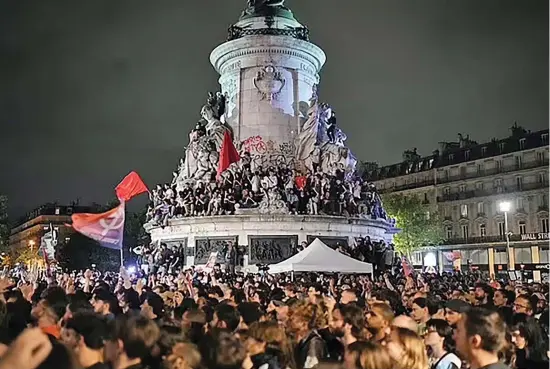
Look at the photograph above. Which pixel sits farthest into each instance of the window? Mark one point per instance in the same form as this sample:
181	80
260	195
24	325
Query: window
540	157
501	146
428	215
467	155
446	190
544	200
520	203
479	186
544	225
462	188
464	210
57	211
542	177
544	138
522	227
482	230
519	183
498	182
446	211
480	168
446	174
451	157
449	232
519	162
501	228
480	208
522	143
498	165
483	150
465	232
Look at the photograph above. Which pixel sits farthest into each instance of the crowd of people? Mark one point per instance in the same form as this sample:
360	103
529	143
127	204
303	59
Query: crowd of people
210	319
271	189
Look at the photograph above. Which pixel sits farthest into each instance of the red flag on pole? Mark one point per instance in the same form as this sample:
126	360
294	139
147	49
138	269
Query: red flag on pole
131	186
228	154
106	228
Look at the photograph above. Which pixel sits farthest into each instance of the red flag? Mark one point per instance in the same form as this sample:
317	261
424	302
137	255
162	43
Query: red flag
300	182
106	228
228	154
131	186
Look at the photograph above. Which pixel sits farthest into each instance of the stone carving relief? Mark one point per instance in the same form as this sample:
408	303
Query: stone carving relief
207	245
269	82
202	152
271	249
331	242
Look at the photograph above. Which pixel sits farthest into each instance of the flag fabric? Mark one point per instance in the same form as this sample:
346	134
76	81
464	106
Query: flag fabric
228	154
300	182
132	185
407	268
106	228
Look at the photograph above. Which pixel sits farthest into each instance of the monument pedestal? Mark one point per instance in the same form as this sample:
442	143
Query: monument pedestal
263	238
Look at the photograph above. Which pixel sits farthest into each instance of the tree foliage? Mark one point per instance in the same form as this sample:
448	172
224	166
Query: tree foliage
419	227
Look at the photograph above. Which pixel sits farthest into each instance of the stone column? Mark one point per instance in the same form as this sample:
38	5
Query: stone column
269	82
491	254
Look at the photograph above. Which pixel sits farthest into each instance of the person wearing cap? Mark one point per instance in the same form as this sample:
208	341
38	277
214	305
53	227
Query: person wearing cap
454	310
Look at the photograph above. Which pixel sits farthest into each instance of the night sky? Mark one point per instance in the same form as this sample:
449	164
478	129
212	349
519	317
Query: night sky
90	90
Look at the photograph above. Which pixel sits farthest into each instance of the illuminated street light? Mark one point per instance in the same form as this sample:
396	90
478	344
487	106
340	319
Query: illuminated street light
505	206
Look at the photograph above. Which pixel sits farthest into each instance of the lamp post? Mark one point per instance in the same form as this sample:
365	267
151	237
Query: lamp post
505	208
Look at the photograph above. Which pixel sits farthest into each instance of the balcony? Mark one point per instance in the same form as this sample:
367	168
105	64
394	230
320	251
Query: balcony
496	239
494	191
494	171
480	239
408	186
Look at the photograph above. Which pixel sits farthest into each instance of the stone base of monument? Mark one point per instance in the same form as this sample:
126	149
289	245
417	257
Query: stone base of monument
262	238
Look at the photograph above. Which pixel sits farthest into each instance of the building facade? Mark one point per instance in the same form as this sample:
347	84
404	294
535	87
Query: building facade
467	183
29	229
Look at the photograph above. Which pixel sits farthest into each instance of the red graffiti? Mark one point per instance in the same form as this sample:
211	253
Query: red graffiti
255	145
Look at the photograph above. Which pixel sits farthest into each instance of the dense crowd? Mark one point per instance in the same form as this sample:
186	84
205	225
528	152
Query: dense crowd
273	189
210	319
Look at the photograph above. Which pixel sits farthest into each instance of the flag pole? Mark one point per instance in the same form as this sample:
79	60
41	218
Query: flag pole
121	257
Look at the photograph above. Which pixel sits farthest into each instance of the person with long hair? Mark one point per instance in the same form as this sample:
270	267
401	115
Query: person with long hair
529	341
439	340
305	320
268	343
406	349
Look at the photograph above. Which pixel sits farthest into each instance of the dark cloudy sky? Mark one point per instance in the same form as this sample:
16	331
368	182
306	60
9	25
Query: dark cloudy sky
90	90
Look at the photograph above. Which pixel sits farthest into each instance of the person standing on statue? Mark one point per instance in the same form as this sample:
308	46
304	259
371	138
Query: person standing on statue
331	127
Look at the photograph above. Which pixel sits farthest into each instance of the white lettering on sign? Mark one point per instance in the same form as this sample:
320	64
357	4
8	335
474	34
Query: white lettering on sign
534	236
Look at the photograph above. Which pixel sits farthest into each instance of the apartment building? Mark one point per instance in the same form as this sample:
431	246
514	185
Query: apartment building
469	185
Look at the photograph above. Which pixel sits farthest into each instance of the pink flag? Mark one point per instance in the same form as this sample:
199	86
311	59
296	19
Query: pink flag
106	228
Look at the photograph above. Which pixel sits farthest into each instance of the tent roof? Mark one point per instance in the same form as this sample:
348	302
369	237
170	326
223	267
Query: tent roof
318	257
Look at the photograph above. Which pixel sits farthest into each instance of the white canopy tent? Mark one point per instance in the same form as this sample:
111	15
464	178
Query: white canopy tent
318	257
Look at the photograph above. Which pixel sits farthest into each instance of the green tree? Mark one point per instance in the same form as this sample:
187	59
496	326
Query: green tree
419	227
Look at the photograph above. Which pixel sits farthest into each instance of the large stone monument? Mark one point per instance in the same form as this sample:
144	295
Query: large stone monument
269	73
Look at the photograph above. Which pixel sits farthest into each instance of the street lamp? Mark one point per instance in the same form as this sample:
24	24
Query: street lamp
505	206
